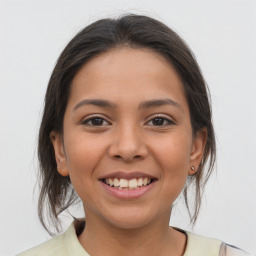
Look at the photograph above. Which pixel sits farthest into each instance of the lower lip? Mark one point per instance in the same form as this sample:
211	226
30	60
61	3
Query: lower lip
128	194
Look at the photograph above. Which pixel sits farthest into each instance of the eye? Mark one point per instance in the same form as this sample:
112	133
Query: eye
95	121
160	121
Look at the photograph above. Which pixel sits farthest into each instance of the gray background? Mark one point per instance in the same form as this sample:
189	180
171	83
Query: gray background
222	35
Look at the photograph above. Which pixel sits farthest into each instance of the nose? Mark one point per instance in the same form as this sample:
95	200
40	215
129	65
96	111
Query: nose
128	144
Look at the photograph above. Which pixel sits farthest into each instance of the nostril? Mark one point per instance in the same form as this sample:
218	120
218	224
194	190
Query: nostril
127	151
127	158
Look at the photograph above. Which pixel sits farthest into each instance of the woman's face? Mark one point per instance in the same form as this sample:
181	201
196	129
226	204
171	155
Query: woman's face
127	124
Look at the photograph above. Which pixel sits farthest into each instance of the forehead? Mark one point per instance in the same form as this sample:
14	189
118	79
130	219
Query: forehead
128	74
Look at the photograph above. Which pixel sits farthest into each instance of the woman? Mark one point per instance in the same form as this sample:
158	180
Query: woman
126	128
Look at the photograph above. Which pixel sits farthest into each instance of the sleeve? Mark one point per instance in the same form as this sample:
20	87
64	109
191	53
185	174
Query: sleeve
230	250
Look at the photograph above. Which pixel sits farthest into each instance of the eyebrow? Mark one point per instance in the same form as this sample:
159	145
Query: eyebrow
159	103
142	105
95	102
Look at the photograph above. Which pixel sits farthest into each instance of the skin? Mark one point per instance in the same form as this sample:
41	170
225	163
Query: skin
129	136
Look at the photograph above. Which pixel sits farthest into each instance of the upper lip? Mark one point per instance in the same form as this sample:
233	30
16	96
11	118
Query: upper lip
127	175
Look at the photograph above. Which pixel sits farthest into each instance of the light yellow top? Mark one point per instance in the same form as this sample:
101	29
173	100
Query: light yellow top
68	244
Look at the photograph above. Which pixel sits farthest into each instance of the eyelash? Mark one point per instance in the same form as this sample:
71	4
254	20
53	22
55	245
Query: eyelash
164	121
91	119
167	121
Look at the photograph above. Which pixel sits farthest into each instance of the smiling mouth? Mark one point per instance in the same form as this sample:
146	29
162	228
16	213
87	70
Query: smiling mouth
125	184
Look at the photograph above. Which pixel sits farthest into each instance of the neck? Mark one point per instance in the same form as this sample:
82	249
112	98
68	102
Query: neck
157	238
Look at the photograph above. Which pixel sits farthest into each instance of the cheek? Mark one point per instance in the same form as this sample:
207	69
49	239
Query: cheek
173	152
173	156
83	151
83	156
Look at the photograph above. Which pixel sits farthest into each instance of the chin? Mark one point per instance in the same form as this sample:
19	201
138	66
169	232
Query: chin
130	219
128	224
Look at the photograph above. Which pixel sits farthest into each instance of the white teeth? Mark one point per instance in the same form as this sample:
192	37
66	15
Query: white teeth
128	184
111	182
116	182
140	182
133	183
123	183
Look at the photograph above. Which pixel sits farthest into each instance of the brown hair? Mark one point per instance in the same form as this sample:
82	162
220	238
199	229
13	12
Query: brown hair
99	37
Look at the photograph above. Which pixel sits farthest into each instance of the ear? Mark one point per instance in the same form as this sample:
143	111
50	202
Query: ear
197	150
60	155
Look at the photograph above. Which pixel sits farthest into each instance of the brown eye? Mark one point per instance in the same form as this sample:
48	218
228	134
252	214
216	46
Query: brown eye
95	121
160	121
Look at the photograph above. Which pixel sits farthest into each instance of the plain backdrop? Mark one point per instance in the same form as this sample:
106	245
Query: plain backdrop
222	35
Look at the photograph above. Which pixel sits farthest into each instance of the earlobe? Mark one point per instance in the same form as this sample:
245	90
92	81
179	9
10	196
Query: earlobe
60	156
197	150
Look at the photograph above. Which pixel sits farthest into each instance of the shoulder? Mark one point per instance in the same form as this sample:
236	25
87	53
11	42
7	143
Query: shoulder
200	246
230	250
62	245
54	246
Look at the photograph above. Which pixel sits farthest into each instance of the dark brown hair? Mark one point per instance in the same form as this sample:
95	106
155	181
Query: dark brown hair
133	31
